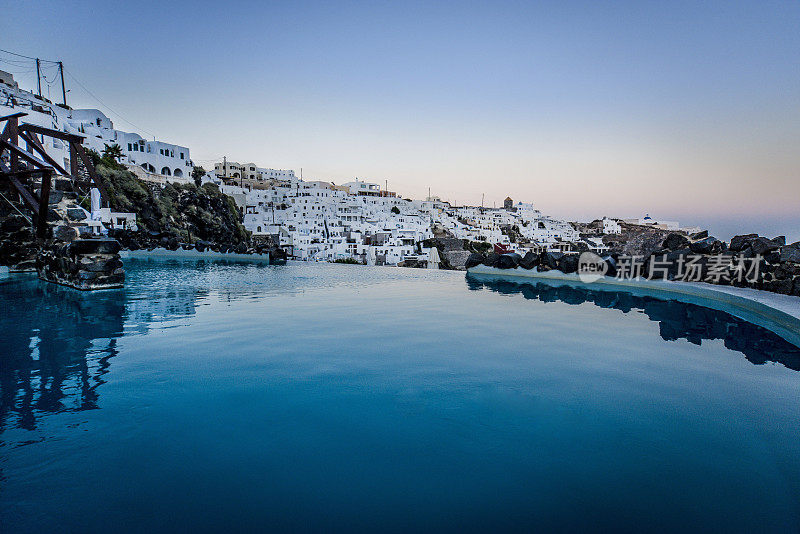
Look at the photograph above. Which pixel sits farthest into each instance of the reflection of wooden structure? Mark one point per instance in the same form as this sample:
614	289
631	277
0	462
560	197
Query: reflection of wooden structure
39	164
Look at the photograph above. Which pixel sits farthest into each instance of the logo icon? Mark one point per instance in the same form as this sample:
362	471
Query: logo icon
591	267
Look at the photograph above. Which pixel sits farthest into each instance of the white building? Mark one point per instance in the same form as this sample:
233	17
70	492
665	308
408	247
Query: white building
610	226
156	157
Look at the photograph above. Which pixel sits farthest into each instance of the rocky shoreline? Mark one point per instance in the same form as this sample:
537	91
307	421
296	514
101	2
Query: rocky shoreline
769	264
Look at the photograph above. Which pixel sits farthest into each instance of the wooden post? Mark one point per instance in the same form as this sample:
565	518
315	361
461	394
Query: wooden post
73	161
13	137
44	204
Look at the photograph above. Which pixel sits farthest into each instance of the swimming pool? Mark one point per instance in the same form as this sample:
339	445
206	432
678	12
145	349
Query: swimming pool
209	396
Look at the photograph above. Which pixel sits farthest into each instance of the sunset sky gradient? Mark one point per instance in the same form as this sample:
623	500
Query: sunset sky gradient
685	110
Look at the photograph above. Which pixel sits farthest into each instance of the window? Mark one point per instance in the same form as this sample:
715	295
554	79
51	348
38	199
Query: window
130	148
181	155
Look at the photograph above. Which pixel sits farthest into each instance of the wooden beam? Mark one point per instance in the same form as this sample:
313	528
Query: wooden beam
51	133
33	142
92	173
26	195
12	116
18	152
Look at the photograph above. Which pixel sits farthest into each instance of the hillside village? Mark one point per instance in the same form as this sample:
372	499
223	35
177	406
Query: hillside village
314	220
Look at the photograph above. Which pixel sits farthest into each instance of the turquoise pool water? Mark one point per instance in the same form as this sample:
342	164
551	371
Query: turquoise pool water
231	396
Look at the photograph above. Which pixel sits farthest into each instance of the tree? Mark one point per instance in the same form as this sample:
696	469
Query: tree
197	174
395	210
113	152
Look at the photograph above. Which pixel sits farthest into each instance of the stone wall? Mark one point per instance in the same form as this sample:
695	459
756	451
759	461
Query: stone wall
747	261
82	263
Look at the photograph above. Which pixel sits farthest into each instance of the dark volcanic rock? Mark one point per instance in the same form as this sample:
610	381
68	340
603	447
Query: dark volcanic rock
611	265
491	259
784	287
675	241
474	260
707	245
530	260
76	214
790	253
700	235
762	245
740	242
568	263
14	222
508	261
550	259
95	246
65	233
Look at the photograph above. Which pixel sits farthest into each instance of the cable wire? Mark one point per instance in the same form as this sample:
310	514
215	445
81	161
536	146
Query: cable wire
106	105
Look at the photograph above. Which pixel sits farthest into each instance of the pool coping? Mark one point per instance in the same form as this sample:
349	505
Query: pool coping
162	253
776	312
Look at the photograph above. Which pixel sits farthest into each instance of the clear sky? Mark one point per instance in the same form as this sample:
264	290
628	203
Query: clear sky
685	110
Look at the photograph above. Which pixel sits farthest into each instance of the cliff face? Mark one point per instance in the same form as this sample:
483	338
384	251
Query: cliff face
176	213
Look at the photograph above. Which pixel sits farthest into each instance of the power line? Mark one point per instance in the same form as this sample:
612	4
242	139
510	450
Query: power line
27	57
106	105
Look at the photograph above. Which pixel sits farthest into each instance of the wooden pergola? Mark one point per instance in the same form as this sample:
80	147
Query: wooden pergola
38	163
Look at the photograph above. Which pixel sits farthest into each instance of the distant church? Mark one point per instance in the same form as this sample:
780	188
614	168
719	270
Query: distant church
508	203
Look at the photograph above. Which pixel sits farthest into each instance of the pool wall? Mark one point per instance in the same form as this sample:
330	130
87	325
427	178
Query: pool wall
778	313
192	254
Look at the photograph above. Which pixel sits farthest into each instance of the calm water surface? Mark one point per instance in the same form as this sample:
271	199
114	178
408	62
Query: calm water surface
212	396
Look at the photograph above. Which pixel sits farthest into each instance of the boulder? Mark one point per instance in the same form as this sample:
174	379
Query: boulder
55	197
474	260
706	245
790	253
76	214
675	241
508	261
491	259
782	272
762	245
550	259
568	263
780	240
65	233
95	246
611	265
740	242
530	260
700	235
784	287
14	222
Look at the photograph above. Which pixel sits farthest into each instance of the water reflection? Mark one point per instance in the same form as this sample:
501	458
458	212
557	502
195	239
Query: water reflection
677	320
57	344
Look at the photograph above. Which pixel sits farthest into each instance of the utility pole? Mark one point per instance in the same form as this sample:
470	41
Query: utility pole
482	195
224	167
38	78
63	89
